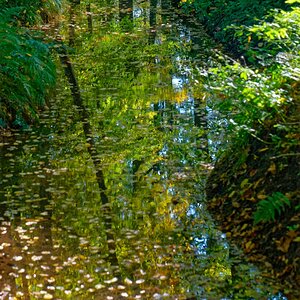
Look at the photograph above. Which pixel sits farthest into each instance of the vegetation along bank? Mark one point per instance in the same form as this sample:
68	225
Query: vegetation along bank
253	190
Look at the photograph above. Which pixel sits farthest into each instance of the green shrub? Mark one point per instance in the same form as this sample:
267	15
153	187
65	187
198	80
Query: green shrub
252	96
273	42
217	15
26	72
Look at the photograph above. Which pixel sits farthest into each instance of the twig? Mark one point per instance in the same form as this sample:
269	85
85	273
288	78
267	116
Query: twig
261	140
285	155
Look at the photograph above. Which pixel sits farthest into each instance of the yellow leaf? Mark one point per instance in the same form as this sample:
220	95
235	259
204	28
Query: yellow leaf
228	234
284	243
261	196
249	246
258	182
231	194
272	168
263	149
244	182
244	227
235	204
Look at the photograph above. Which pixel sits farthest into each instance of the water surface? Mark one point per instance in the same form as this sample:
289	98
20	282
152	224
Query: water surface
144	233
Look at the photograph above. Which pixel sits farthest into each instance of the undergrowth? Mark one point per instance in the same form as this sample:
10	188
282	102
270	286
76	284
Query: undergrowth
27	71
257	97
218	15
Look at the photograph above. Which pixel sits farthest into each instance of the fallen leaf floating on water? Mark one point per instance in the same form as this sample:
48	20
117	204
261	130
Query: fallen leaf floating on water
127	281
115	279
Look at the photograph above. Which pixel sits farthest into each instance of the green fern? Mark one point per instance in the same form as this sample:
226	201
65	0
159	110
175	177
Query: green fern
266	209
27	71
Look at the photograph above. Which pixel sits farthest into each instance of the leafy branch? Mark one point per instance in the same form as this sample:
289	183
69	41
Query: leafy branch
27	71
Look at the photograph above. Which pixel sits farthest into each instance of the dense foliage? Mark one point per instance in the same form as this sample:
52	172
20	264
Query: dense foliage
258	99
263	83
217	15
258	94
26	67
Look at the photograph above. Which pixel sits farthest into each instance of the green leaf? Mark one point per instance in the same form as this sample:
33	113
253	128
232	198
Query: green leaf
292	1
244	75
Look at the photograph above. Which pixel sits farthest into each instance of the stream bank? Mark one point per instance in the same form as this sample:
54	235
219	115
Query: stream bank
253	191
242	178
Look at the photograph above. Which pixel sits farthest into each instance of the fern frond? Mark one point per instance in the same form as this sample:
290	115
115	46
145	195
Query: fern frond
26	71
267	209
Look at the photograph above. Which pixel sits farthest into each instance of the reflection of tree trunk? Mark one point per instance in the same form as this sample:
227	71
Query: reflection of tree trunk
110	236
200	121
71	26
126	9
175	3
108	13
152	21
235	277
158	116
165	4
168	114
153	7
69	72
89	18
135	167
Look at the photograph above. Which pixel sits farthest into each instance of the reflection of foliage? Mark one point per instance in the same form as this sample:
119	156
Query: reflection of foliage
117	55
267	208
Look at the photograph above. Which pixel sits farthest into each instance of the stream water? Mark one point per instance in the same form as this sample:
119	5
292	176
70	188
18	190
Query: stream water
143	233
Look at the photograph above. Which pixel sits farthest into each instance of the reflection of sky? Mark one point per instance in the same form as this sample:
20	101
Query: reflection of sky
185	35
217	131
184	122
200	244
137	12
177	83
